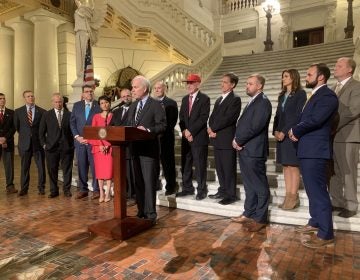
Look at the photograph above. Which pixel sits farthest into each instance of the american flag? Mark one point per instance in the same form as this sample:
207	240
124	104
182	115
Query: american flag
89	69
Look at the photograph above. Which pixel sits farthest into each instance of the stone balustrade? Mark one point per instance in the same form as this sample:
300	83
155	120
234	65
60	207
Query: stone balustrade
232	6
175	74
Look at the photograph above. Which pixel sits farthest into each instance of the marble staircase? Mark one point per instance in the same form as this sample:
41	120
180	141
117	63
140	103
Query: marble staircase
270	65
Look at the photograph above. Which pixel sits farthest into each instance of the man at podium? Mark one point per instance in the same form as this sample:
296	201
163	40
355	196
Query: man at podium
146	114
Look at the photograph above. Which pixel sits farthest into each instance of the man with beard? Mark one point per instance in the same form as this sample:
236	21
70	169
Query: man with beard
119	119
313	134
252	143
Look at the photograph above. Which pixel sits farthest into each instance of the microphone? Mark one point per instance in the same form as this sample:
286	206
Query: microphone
112	109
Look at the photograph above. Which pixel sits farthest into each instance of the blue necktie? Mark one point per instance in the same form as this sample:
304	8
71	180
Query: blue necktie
87	110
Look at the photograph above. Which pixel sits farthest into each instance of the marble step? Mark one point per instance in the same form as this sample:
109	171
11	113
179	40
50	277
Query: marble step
298	216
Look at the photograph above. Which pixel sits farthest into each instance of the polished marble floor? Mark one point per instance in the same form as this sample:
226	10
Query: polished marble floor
43	238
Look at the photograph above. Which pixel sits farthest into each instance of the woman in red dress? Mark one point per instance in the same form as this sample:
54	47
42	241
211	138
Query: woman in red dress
102	151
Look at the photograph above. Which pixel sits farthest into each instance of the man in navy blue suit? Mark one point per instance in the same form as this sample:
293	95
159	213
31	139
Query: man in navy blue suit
252	143
314	151
81	115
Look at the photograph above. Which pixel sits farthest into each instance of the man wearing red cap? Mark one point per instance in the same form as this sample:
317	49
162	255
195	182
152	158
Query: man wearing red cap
194	113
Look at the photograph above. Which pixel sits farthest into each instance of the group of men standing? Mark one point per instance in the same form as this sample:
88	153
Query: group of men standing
329	121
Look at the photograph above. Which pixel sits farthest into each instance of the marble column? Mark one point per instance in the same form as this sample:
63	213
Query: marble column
23	70
6	65
46	63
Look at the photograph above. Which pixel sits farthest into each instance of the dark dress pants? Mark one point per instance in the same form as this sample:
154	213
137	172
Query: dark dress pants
146	172
196	155
167	157
314	175
54	160
8	162
85	160
26	157
225	163
257	194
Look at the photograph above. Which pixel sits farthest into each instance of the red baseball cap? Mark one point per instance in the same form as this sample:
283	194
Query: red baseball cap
193	78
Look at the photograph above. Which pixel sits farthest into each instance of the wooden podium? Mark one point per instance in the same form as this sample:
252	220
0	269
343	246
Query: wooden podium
121	226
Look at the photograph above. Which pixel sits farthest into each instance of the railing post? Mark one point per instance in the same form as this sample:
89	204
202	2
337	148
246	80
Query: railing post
349	29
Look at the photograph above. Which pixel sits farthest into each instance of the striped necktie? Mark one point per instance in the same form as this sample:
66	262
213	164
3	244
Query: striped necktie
30	116
137	119
1	115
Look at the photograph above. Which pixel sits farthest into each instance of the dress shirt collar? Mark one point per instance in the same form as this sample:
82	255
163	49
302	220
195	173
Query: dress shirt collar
194	96
144	99
316	89
343	82
224	95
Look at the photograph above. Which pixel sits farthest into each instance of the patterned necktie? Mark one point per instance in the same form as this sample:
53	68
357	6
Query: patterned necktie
190	103
124	112
137	119
338	88
59	117
87	110
1	115
29	115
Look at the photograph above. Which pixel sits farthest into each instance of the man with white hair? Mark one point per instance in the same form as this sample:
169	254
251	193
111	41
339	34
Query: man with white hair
146	114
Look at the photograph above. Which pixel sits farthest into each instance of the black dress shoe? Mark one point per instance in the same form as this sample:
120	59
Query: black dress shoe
67	194
183	193
52	195
169	192
227	201
216	196
140	215
41	192
22	193
200	196
335	208
347	213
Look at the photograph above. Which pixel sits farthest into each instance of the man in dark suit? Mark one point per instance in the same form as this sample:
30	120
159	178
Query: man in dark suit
343	184
314	151
252	143
167	139
7	131
81	115
119	119
120	114
58	143
146	114
27	120
193	116
221	130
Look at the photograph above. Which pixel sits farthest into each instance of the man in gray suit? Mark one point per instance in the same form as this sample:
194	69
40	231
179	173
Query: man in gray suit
27	120
343	184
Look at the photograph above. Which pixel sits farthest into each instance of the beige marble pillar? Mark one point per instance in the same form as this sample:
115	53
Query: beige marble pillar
6	65
23	70
46	63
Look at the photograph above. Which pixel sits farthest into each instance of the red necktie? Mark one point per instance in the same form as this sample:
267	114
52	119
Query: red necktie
1	115
190	103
